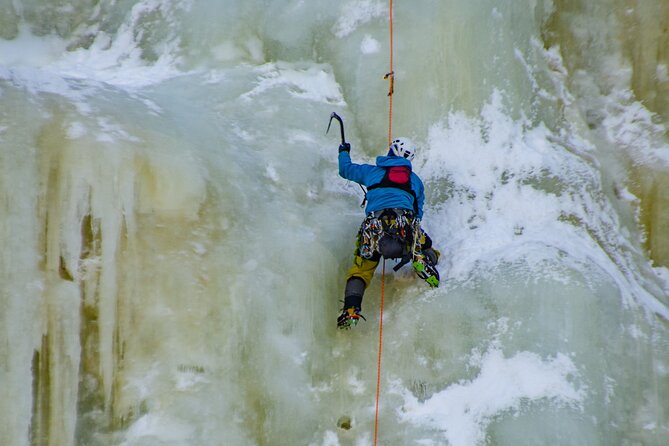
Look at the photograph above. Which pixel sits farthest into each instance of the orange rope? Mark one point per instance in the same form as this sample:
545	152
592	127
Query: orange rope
391	89
391	77
378	367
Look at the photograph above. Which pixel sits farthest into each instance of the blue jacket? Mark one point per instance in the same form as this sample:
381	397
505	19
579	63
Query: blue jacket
383	197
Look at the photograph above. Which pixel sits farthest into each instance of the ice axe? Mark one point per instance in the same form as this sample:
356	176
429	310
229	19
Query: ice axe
341	126
343	141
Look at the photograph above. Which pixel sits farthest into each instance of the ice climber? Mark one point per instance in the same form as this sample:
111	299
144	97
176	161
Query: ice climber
391	229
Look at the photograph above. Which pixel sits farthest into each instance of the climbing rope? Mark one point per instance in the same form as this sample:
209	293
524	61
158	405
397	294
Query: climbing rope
390	75
378	365
391	89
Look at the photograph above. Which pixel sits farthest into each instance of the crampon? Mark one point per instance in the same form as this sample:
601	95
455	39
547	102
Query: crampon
349	318
426	271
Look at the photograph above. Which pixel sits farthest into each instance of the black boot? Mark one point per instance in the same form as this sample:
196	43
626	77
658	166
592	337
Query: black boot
355	289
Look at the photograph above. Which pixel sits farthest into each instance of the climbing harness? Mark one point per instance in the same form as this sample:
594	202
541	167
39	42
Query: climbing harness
387	233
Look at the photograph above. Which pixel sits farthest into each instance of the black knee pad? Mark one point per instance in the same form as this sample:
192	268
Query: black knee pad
355	286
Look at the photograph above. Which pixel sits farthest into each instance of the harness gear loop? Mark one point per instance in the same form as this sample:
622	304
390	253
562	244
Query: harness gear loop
388	233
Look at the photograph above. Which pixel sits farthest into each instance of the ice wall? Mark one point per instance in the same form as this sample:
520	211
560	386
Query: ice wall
617	52
175	236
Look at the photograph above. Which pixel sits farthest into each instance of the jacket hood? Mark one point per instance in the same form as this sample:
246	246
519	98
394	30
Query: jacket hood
389	161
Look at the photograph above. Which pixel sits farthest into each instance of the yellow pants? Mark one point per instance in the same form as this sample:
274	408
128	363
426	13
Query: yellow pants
363	268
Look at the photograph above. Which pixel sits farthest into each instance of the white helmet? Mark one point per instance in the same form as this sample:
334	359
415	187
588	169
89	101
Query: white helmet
403	147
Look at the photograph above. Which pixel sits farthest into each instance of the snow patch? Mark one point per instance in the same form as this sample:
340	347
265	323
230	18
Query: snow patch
463	410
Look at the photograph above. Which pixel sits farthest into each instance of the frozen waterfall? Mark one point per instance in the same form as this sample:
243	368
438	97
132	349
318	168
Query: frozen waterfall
175	235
